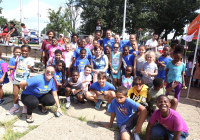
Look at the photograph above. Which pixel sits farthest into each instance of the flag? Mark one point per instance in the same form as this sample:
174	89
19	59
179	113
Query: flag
188	38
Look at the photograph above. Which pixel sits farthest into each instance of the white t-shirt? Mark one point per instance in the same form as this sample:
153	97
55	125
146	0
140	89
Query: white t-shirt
152	43
67	58
82	78
74	46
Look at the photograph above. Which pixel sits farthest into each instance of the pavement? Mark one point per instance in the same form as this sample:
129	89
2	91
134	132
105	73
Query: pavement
82	121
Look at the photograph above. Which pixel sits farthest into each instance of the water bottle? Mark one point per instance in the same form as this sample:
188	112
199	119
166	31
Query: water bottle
135	135
58	114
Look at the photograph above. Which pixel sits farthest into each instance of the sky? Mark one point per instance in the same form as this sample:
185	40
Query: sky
11	10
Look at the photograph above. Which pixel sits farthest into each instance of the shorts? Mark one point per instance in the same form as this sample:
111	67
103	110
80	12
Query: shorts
129	124
138	73
195	80
3	34
79	93
13	34
101	97
160	131
25	37
116	76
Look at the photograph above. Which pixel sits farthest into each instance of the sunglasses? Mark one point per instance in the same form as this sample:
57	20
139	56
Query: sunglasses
138	84
115	47
50	72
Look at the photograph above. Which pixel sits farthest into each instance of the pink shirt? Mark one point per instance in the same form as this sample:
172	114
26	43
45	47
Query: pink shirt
67	58
52	50
89	46
173	122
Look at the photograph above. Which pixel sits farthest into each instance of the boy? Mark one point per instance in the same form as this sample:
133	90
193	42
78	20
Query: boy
81	61
101	90
25	32
157	90
73	85
99	27
171	125
85	77
122	107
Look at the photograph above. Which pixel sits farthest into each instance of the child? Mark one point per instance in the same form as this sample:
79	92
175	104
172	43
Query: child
189	68
25	32
128	59
95	42
138	92
139	61
134	49
162	62
99	27
52	60
157	90
160	46
90	42
108	50
81	62
67	55
170	123
197	73
74	86
60	76
3	77
66	41
149	69
127	79
54	46
123	107
16	53
175	71
101	90
23	66
115	65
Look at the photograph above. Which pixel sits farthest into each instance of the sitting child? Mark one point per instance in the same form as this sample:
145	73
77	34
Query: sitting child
171	125
138	92
157	90
101	90
73	85
122	107
52	60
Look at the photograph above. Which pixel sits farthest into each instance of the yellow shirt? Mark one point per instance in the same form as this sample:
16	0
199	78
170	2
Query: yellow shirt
139	97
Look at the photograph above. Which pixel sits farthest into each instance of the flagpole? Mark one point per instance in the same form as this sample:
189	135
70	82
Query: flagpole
193	63
124	20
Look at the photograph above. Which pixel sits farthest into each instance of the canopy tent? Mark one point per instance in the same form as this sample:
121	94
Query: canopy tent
194	28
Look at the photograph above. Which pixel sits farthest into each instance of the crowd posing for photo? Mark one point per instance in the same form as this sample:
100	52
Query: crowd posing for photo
132	79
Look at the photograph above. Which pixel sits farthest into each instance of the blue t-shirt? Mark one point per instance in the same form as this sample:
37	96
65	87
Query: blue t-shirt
81	63
58	76
12	61
131	52
77	53
128	60
99	64
107	41
123	112
121	45
130	47
6	80
161	70
175	72
96	86
38	86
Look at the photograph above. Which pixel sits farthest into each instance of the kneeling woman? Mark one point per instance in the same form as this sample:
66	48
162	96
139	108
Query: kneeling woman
40	89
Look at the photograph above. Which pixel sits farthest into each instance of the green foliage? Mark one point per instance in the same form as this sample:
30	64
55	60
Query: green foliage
3	21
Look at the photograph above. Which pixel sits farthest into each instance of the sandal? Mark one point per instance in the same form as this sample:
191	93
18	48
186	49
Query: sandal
29	120
44	111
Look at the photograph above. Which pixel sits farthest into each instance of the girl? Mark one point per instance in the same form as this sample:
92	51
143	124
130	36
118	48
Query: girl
197	73
66	40
58	56
115	65
90	42
23	66
95	42
127	79
16	53
5	31
160	46
3	77
175	71
189	68
139	61
13	31
68	55
162	62
149	68
60	76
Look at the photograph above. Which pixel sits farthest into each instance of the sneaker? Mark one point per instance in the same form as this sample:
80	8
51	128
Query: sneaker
98	104
108	106
75	100
68	105
2	101
24	111
12	111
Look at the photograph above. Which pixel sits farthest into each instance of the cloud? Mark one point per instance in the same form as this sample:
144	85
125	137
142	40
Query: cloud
30	12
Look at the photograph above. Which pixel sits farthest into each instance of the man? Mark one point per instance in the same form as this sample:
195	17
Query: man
109	40
152	44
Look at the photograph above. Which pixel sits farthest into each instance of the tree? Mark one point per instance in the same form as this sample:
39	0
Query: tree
59	20
2	21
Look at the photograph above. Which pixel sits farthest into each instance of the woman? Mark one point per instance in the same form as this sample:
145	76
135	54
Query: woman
40	89
13	32
5	31
100	62
50	34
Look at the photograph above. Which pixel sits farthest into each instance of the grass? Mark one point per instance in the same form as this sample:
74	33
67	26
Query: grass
7	94
82	118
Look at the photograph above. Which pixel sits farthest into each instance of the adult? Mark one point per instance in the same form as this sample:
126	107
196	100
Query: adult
109	40
13	32
74	41
5	31
100	62
44	56
90	42
60	41
152	43
122	43
40	89
98	37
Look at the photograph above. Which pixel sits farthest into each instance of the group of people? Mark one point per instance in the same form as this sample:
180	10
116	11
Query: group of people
129	77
